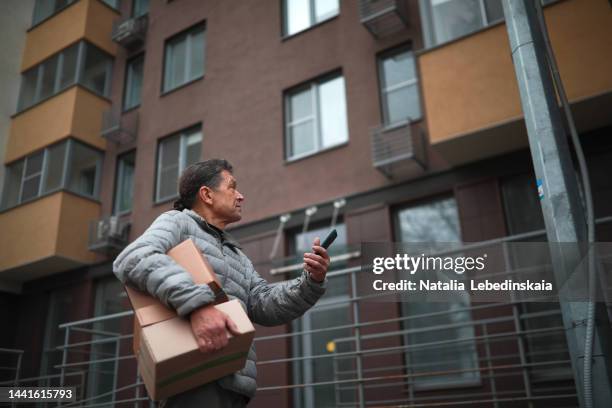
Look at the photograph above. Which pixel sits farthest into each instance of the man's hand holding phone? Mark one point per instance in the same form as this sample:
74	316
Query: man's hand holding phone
316	262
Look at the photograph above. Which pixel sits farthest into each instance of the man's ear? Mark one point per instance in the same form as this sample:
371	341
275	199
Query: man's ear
205	194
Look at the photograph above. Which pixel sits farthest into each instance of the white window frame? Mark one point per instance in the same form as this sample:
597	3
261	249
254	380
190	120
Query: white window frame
182	159
313	88
187	37
40	174
312	17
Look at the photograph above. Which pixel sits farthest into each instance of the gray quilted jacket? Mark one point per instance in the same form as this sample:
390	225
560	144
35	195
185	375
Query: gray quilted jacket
144	265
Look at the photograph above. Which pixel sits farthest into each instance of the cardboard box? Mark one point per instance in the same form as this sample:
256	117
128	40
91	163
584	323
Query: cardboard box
169	360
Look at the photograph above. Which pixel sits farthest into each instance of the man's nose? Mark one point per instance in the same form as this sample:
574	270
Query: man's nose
240	196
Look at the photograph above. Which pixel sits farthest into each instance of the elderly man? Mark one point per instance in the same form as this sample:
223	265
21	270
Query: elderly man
209	201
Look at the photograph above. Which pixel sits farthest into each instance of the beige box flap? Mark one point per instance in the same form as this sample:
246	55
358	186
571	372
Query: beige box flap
148	309
189	257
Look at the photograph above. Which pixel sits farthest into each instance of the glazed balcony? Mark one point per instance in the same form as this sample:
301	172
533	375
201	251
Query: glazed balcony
469	85
74	112
91	20
46	236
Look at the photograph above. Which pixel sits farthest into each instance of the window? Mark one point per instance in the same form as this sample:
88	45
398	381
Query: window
133	83
437	222
174	154
49	74
332	310
184	58
12	184
83	168
110	298
69	66
524	214
60	71
521	204
62	308
30	186
399	87
140	8
46	8
446	20
316	117
112	3
48	78
124	188
97	69
302	14
68	165
54	176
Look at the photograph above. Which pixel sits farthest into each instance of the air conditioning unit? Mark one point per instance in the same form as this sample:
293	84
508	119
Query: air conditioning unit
108	235
109	228
124	30
383	18
130	32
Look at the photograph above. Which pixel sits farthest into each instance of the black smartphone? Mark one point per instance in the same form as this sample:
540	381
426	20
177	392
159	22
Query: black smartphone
331	237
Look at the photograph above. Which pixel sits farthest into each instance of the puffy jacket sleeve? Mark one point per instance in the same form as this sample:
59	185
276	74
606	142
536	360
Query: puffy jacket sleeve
281	302
144	265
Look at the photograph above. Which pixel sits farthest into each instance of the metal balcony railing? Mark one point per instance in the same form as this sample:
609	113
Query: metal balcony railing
119	128
397	150
504	367
384	17
10	367
130	32
108	234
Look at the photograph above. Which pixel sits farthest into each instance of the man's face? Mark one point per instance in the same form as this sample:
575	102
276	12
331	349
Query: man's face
227	200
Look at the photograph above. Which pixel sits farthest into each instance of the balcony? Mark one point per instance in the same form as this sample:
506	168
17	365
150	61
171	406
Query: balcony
471	97
85	19
119	128
75	112
130	32
384	17
108	235
45	236
398	151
